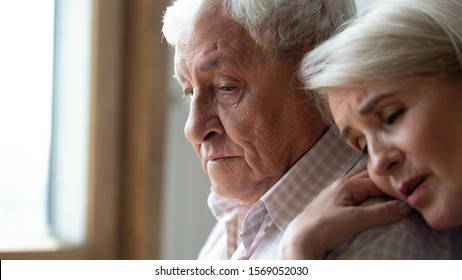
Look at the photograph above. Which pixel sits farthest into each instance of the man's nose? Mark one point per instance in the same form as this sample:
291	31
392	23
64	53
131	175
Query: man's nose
203	121
383	157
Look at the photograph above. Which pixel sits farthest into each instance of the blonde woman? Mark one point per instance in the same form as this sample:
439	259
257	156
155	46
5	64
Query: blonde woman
392	81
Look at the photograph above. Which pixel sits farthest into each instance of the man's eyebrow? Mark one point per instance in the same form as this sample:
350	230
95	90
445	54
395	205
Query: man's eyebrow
372	103
210	65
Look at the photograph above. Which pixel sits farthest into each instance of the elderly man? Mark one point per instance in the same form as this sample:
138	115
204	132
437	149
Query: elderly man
261	140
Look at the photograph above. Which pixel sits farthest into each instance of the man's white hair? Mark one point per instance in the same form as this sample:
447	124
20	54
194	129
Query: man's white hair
284	28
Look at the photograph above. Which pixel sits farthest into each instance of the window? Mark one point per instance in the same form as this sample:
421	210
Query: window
69	153
103	152
25	120
44	118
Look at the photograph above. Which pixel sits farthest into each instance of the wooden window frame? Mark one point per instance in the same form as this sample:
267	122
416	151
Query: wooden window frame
126	154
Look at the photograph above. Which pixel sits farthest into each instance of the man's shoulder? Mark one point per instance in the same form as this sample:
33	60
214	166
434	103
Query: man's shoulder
410	238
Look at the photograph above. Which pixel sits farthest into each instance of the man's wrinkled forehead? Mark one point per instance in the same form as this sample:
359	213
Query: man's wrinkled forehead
201	57
209	50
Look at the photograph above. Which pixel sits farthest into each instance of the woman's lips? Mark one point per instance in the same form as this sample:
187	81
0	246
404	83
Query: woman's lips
411	185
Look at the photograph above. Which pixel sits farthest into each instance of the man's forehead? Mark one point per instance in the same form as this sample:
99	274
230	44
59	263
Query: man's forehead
195	49
203	58
214	32
221	45
211	55
202	61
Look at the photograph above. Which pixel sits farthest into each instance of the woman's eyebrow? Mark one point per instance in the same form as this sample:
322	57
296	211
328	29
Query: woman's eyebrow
372	103
365	109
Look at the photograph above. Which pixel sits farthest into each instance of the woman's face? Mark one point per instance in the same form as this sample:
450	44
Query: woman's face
412	134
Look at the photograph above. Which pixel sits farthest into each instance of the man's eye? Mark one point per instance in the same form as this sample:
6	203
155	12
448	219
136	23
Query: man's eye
227	88
391	119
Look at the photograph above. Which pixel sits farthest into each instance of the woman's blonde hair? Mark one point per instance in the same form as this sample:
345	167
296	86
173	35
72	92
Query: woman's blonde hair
394	40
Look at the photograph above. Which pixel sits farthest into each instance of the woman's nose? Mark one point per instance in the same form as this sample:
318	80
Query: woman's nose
383	158
203	121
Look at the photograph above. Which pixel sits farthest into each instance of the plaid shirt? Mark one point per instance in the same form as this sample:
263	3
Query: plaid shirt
255	233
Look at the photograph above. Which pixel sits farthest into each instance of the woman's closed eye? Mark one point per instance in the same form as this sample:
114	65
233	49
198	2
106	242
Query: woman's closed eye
394	116
364	150
362	145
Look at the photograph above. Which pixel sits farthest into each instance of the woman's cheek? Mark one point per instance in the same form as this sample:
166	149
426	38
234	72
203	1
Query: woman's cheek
384	184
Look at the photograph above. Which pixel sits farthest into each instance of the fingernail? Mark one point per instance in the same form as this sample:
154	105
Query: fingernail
404	208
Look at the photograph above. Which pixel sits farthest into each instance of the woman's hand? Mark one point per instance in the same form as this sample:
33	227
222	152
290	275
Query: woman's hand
339	213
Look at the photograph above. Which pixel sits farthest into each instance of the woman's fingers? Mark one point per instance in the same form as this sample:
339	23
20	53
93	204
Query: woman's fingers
361	189
359	172
340	212
351	191
379	212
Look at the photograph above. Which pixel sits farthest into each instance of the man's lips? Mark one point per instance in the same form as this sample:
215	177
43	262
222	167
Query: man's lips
218	158
411	185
